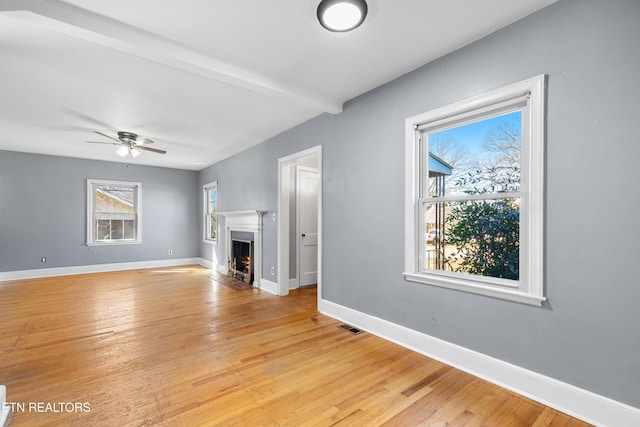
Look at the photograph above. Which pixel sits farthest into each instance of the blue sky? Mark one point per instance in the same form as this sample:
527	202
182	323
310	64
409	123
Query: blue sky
471	139
213	198
473	135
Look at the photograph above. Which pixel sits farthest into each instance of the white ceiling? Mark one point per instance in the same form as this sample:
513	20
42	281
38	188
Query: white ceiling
206	79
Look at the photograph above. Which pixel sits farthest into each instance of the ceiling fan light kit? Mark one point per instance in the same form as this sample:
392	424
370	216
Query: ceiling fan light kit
122	151
342	15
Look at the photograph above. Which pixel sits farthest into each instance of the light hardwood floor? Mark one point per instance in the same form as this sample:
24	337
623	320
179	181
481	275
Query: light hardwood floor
173	347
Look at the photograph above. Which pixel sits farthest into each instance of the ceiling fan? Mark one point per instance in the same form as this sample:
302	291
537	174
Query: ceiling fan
130	143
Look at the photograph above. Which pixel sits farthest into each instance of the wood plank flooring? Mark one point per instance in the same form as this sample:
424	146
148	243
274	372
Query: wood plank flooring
171	347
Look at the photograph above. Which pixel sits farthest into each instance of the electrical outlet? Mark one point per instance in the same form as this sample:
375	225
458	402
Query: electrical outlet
43	259
273	271
170	251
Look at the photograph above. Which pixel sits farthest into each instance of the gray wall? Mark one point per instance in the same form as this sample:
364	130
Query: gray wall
586	334
249	181
43	212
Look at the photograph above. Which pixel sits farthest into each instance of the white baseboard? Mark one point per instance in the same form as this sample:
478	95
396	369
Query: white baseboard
205	263
579	403
97	268
269	286
294	284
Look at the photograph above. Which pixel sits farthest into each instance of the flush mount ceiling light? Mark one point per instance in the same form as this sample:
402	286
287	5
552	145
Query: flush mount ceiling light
341	15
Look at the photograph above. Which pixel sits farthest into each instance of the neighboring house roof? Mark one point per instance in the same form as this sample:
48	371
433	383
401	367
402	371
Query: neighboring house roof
114	200
437	166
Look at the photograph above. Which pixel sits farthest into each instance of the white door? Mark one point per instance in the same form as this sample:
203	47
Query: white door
307	190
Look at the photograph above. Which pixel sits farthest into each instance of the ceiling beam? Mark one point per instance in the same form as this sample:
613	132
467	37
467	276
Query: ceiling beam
86	25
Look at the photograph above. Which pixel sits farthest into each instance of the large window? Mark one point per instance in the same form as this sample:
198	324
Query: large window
113	212
474	214
211	212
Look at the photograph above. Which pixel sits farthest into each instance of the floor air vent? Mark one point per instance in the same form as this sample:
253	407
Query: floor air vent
351	329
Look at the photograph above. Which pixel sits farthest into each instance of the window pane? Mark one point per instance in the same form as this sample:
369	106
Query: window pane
129	229
214	226
103	229
475	158
115	199
473	237
116	229
210	218
213	199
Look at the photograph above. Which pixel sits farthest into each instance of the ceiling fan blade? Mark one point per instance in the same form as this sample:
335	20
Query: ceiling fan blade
107	136
155	150
144	141
102	142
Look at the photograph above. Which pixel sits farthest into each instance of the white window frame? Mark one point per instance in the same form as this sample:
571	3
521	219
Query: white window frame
529	289
206	225
91	200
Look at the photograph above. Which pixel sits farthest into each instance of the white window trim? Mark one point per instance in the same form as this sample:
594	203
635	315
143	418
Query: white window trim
90	214
530	288
205	211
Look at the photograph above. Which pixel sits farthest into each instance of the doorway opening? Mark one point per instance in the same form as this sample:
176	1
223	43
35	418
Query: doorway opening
300	220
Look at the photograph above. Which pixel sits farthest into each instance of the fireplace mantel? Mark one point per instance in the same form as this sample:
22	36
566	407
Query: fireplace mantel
245	219
248	221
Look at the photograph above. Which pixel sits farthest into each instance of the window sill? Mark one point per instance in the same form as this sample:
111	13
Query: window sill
114	243
479	288
211	242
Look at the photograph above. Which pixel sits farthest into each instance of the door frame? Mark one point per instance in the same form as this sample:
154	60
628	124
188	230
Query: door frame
284	191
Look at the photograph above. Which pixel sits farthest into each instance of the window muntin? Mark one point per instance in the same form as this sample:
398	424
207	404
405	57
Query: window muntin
474	209
113	212
211	212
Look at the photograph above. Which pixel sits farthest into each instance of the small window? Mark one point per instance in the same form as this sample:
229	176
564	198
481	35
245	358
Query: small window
211	212
474	194
113	212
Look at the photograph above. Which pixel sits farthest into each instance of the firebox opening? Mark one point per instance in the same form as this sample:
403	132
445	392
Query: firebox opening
240	263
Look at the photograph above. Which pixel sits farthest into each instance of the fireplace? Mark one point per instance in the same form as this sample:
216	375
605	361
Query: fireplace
240	261
241	227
